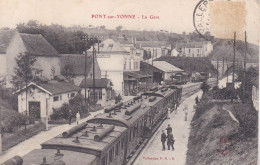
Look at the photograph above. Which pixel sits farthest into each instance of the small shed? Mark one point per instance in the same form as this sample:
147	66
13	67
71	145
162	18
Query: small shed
39	100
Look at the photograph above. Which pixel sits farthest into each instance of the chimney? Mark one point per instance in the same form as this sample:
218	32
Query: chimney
76	140
58	153
44	162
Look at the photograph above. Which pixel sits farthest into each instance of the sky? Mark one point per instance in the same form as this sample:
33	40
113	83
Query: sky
174	15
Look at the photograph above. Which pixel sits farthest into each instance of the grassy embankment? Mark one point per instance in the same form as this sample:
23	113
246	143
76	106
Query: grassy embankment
217	139
13	131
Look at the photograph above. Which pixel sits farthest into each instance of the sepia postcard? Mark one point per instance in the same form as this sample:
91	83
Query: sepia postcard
120	82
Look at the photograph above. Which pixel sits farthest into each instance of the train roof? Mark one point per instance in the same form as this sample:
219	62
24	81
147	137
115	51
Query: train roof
68	157
86	140
126	115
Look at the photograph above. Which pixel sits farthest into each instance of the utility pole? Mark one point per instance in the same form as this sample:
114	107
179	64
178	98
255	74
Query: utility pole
223	65
244	76
85	38
98	44
233	74
94	53
217	72
152	55
0	130
227	68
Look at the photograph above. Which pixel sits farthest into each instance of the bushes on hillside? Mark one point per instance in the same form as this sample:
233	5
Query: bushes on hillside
9	97
11	120
225	93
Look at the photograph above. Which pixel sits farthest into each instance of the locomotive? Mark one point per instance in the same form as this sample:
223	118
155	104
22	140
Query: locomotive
110	138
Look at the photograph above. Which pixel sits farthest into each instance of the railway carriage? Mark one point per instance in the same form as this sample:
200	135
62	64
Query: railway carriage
112	137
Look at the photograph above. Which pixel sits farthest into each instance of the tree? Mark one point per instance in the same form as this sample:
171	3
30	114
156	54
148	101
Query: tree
118	29
102	27
24	72
204	87
68	71
147	55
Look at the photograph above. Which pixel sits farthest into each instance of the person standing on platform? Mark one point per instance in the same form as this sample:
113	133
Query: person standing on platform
70	116
170	141
163	139
168	113
186	112
169	129
197	100
78	117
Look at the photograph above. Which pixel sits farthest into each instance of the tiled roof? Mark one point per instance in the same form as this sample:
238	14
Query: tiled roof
37	45
78	61
5	38
99	83
137	74
166	67
54	87
59	87
148	68
189	45
140	44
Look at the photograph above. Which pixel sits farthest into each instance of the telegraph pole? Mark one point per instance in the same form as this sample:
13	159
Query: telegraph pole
217	73
244	76
85	71
223	65
94	52
227	68
233	74
0	130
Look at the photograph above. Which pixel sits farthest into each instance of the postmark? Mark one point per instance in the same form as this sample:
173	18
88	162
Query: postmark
201	20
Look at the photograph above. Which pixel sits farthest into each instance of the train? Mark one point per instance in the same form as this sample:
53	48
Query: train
199	76
109	138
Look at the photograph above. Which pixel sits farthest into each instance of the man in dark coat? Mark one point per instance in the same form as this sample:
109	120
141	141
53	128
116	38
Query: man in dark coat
169	129
170	141
197	100
70	116
163	139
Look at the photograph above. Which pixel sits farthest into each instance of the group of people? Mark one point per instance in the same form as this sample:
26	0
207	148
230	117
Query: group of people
169	137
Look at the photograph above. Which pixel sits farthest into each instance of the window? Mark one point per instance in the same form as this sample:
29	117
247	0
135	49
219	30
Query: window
198	50
117	148
130	134
125	66
134	133
100	95
111	155
60	97
56	98
68	95
122	143
72	94
104	160
189	50
130	65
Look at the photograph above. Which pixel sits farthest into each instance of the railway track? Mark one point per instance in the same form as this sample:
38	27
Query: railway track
186	92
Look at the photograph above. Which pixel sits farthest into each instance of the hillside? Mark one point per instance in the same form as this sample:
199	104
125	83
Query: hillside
215	138
224	48
190	64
